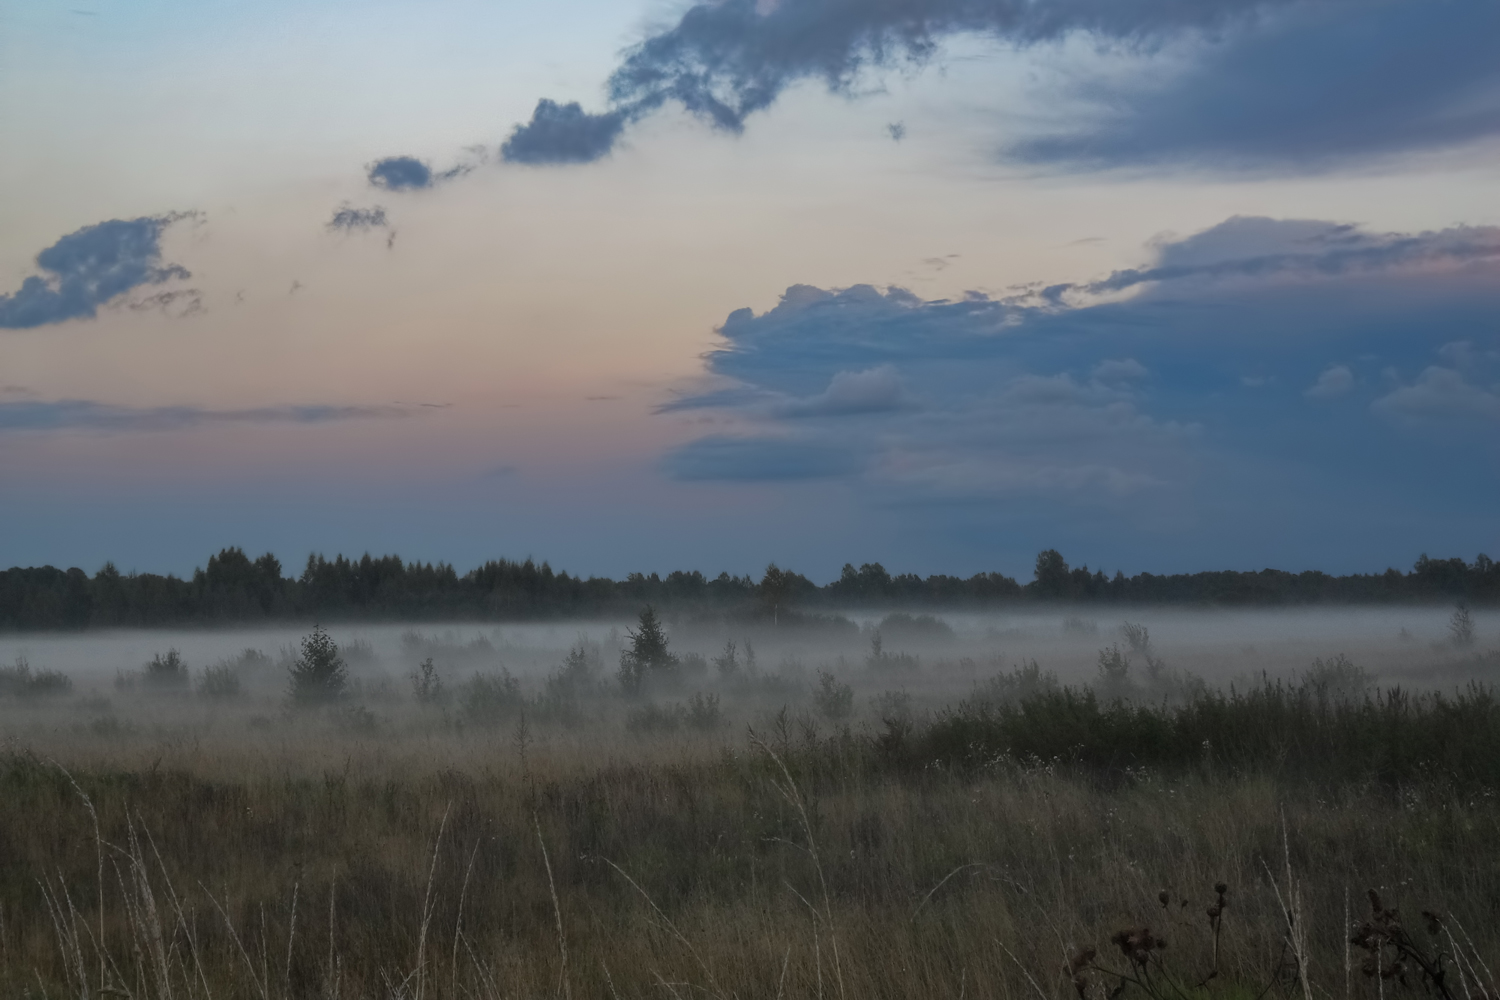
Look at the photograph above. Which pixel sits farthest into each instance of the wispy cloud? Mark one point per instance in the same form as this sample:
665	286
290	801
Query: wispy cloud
1307	87
349	219
87	268
1335	381
81	413
1267	82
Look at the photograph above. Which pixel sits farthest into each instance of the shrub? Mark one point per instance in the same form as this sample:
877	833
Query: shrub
220	683
319	676
167	672
426	685
1337	680
833	699
879	659
360	653
1137	637
648	655
894	709
21	682
656	719
566	686
1026	681
491	700
1073	625
727	663
1461	627
903	627
1114	674
704	713
357	719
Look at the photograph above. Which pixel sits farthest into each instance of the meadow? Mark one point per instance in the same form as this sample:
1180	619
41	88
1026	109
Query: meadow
906	806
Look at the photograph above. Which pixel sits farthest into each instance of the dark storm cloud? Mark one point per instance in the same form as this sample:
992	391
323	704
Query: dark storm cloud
81	413
88	268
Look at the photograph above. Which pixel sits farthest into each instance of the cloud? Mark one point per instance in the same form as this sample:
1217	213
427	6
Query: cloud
1304	87
87	414
1440	394
727	59
758	459
1335	381
876	390
1226	83
87	268
1119	371
563	133
1179	382
400	173
348	219
1260	249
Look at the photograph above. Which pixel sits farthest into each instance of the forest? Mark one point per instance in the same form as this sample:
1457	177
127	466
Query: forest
233	588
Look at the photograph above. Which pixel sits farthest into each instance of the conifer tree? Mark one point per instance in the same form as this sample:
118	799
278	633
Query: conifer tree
319	675
648	655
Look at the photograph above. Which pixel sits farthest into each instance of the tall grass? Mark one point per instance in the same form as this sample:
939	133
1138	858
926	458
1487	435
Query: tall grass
976	854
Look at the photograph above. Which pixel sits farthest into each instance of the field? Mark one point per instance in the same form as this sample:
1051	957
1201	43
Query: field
961	809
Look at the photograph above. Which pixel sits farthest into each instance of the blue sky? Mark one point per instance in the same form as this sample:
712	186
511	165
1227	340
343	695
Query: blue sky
643	286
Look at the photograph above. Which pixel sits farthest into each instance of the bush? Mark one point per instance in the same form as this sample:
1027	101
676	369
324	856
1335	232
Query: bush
1461	627
360	653
727	663
1137	637
879	659
1026	681
426	685
648	655
220	683
894	709
1114	674
656	719
704	713
833	699
489	701
1073	625
901	627
19	681
319	676
167	672
1337	680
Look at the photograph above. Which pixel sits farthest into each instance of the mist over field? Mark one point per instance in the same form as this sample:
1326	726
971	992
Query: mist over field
929	660
750	500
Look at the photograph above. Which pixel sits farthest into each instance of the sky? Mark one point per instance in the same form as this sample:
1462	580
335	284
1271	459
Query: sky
627	285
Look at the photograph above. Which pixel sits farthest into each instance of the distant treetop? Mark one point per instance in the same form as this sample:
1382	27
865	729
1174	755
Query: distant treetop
234	588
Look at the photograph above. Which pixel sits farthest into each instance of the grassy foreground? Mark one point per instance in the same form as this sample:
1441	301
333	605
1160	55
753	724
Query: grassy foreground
794	864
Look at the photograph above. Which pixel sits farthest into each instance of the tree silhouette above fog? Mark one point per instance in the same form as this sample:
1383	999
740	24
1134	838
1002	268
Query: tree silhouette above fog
234	588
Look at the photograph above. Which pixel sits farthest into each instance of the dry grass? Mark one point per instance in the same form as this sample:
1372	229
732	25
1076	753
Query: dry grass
1030	843
722	868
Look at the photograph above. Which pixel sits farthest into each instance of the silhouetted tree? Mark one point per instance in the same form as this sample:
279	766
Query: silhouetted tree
319	675
1051	575
648	655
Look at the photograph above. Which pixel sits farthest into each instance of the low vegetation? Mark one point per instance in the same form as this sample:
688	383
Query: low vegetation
677	825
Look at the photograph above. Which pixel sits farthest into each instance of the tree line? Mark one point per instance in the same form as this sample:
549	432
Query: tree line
235	588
